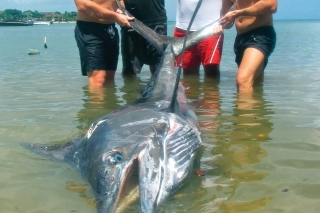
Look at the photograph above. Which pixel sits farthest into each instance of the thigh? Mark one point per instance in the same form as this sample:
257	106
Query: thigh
110	49
99	50
191	60
252	64
210	50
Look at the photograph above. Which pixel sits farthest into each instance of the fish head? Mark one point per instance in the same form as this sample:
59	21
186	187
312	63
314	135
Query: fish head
115	148
146	148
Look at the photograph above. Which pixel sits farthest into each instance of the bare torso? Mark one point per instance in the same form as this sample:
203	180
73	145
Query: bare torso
247	23
107	4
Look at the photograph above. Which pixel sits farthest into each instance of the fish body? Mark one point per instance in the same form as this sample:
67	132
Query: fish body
151	143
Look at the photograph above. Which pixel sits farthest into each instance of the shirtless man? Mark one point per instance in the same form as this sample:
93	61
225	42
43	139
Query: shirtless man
98	39
255	39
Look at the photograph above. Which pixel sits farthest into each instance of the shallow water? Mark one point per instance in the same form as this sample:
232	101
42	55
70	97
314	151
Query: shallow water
260	152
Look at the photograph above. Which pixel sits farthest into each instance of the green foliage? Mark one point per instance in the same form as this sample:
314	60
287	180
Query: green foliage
37	15
13	14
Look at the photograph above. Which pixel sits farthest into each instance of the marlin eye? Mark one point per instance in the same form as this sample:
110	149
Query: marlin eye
115	158
118	157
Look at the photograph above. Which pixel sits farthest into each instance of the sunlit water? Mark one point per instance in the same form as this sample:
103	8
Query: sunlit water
260	153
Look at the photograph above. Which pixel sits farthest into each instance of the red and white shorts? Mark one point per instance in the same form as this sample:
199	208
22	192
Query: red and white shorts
207	51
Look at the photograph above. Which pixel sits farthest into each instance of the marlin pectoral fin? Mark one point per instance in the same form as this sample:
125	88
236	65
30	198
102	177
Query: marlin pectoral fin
150	177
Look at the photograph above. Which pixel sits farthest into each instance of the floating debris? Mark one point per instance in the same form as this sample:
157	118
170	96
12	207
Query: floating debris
200	172
33	52
180	196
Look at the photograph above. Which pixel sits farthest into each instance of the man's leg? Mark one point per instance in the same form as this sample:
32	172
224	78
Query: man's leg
251	67
126	47
100	77
210	50
98	62
212	70
191	71
152	69
191	63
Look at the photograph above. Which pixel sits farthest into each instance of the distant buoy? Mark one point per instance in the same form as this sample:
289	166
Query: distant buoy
45	42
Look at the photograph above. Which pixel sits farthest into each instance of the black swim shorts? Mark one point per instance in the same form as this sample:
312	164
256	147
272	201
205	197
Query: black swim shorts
98	46
134	46
262	38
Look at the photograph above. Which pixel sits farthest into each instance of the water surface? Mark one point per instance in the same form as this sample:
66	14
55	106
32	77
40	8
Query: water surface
260	152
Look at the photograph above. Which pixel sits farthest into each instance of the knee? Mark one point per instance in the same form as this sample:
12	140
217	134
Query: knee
243	82
97	81
100	77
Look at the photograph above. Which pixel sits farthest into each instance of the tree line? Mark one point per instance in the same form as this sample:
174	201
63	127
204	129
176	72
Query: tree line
18	15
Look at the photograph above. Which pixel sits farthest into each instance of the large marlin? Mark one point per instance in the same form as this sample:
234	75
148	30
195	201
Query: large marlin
156	138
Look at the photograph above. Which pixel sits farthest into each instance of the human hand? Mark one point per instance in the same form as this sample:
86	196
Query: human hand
218	30
228	20
119	11
123	20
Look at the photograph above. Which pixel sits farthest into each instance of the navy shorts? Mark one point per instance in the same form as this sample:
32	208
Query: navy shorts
98	46
134	45
262	38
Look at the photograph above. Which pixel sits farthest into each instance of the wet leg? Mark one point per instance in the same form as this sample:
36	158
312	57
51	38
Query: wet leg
251	68
100	77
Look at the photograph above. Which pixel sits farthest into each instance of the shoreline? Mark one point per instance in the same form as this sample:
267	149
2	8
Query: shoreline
64	22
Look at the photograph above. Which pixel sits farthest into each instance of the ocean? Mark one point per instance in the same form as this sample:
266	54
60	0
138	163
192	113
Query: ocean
260	152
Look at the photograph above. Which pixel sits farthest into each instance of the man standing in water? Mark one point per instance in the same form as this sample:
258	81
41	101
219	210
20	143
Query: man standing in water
208	51
255	40
97	38
136	50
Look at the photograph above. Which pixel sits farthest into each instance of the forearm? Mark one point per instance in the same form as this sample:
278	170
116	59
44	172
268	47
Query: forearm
227	11
262	7
226	5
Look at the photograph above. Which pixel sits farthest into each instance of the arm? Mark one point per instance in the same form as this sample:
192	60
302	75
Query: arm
226	7
261	7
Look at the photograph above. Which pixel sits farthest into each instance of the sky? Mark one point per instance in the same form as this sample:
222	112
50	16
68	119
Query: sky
287	9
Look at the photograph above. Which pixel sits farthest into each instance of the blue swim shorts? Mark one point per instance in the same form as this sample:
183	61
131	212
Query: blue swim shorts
98	46
262	38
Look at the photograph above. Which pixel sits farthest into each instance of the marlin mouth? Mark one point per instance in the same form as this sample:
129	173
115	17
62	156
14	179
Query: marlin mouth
129	188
